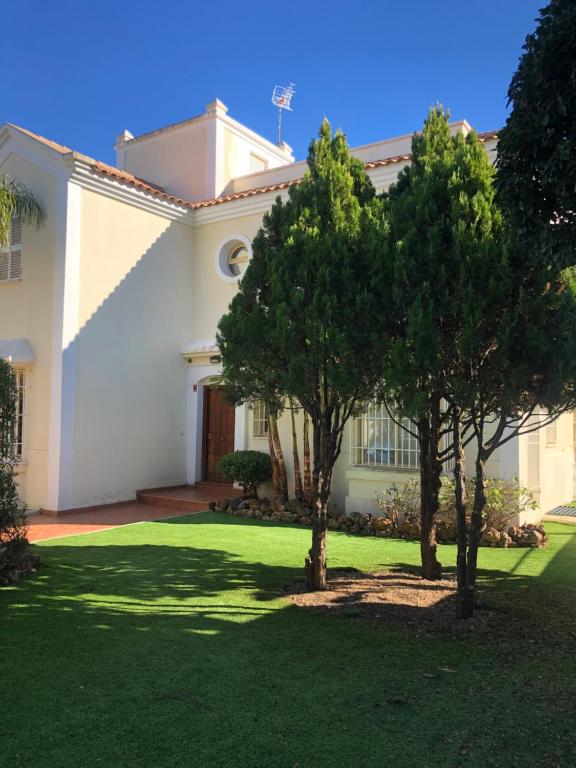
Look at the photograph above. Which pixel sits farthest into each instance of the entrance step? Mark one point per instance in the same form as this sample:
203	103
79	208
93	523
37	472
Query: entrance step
187	498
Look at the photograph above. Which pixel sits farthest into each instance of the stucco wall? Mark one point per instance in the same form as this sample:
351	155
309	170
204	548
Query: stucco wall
26	311
555	483
213	294
182	160
135	299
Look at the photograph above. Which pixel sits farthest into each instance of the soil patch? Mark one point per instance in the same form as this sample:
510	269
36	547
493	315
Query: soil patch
391	597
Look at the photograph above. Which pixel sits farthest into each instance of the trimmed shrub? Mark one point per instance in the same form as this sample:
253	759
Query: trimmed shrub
247	468
13	522
505	500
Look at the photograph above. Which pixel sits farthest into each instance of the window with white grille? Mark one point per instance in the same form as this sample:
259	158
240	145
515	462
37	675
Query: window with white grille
19	425
257	164
11	255
259	419
378	441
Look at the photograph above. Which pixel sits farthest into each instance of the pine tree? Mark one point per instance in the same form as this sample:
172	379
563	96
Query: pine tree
537	146
299	325
486	338
514	369
421	255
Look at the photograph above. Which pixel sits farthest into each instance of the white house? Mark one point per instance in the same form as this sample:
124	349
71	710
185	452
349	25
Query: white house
109	312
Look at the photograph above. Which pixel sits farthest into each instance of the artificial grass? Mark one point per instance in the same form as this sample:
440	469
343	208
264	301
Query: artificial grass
170	644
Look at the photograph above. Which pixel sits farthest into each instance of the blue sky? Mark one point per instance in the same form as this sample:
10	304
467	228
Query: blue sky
81	71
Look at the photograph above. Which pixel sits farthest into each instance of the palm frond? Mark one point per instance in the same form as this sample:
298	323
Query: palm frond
16	201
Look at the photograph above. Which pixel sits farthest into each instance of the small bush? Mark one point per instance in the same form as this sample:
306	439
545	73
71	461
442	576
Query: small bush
401	505
505	500
247	468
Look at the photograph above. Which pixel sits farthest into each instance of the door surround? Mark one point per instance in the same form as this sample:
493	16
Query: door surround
200	374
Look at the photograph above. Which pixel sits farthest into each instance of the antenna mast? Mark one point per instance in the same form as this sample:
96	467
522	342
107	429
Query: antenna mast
281	98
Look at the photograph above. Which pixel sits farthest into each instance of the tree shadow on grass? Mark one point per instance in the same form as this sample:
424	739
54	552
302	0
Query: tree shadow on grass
159	655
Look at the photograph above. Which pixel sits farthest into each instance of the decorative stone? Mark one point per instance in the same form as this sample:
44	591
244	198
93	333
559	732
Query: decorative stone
491	538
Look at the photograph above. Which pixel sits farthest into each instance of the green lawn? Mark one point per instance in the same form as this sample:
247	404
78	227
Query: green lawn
169	644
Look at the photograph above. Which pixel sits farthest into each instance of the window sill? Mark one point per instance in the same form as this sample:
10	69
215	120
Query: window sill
11	281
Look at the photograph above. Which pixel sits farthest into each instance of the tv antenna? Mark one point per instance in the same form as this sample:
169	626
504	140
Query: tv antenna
281	98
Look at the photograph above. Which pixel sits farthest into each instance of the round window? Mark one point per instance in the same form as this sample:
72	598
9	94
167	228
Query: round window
238	260
232	257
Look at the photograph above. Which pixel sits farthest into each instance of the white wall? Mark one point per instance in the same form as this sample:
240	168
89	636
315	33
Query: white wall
135	299
196	159
26	309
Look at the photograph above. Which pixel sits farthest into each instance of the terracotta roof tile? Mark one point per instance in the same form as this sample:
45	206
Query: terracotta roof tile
146	186
47	142
246	193
128	178
487	135
285	184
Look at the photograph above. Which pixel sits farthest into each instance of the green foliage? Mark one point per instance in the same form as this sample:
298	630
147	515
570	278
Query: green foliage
13	524
400	502
8	398
248	468
444	259
302	324
505	501
537	147
16	201
297	327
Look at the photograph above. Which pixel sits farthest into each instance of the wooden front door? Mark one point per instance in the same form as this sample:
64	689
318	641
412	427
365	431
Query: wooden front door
218	432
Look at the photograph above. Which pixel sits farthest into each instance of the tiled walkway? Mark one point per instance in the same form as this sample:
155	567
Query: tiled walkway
156	504
43	527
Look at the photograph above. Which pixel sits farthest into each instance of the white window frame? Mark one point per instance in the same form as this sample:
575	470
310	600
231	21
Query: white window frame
20	426
259	419
377	441
257	163
225	249
11	255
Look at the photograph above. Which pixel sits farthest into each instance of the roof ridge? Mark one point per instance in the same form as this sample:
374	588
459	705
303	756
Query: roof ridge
64	150
158	191
169	127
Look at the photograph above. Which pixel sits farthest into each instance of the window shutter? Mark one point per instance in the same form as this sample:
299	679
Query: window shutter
15	265
16	233
4	266
16	249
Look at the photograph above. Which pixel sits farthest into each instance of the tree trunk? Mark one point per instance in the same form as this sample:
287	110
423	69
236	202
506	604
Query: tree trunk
430	483
298	489
315	563
273	459
282	477
460	499
307	473
476	525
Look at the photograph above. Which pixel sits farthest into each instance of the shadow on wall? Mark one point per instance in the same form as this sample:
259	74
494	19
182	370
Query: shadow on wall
126	403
